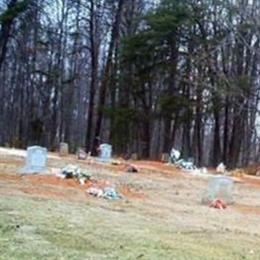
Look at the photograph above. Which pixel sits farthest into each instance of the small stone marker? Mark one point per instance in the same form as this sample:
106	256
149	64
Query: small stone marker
64	149
105	152
221	168
35	160
134	156
165	157
81	154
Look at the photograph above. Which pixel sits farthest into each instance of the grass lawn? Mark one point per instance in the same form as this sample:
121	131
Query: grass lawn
34	228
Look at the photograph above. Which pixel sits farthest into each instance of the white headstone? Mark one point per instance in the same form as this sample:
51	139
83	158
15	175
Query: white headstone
221	168
174	155
35	159
105	152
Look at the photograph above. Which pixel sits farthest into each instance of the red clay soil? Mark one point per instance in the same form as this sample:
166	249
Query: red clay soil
247	209
40	183
42	180
127	192
48	186
157	167
45	185
254	181
8	177
142	165
50	180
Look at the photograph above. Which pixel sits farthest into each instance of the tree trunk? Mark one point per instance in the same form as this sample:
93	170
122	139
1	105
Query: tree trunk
94	75
5	30
105	80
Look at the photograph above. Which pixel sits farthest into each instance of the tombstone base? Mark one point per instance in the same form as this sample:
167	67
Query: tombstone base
104	160
32	170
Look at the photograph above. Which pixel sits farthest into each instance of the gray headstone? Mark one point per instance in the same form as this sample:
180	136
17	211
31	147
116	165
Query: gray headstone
81	154
165	157
105	152
219	187
64	149
35	160
134	156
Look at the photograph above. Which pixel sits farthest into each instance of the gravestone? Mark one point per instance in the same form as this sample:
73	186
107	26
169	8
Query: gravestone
174	156
221	168
64	149
81	154
219	187
134	156
165	157
105	152
35	160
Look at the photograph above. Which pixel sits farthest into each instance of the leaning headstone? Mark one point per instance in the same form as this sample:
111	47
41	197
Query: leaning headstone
81	154
64	149
35	160
105	152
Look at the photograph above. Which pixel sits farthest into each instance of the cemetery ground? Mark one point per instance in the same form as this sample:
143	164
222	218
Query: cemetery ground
159	217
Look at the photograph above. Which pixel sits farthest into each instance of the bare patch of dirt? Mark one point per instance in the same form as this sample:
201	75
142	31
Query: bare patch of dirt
53	187
46	186
10	177
247	209
254	181
43	180
129	193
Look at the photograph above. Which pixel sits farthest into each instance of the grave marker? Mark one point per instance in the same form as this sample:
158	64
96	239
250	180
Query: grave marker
64	149
35	160
105	152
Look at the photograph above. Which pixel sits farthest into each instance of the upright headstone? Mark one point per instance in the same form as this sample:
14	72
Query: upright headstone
219	187
35	160
165	157
81	154
174	155
221	168
64	149
134	156
105	152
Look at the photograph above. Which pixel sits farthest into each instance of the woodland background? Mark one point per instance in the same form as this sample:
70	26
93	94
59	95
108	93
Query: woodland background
142	75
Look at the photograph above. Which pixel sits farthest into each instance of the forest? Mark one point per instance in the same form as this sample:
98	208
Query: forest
142	75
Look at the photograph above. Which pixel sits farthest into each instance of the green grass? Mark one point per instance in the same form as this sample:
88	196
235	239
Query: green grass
33	228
